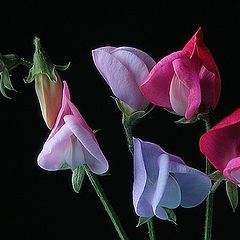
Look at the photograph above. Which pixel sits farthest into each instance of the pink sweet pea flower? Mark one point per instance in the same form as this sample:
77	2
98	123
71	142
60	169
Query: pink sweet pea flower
221	146
186	81
163	180
124	69
71	141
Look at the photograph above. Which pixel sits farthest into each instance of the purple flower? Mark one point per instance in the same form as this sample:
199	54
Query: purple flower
162	180
71	142
124	69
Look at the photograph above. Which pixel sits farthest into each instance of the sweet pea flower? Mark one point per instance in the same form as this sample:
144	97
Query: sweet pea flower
186	81
71	142
163	180
124	70
48	84
221	146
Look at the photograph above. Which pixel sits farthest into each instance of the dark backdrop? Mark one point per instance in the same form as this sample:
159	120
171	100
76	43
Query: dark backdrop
42	204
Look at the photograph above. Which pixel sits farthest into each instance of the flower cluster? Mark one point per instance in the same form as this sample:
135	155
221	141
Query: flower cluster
186	83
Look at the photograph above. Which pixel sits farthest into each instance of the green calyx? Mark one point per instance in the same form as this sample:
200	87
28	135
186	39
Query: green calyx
43	65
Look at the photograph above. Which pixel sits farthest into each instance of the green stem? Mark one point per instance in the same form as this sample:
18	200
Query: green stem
151	231
128	132
209	200
107	205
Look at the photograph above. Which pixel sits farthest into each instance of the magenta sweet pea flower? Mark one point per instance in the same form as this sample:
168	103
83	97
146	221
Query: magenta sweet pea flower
162	180
71	142
221	146
124	69
186	82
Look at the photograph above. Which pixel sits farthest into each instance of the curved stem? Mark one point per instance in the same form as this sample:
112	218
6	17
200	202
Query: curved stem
209	200
107	205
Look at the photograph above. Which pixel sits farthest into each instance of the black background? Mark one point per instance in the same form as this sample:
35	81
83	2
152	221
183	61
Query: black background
41	204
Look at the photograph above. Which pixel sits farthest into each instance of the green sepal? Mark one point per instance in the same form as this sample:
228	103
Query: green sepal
232	193
129	116
142	220
5	82
215	176
195	118
77	178
186	121
171	215
65	166
42	64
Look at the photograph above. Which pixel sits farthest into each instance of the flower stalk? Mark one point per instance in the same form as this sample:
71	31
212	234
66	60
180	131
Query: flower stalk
107	205
209	200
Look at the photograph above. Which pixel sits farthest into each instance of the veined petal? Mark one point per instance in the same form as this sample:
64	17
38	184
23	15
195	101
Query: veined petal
156	86
88	140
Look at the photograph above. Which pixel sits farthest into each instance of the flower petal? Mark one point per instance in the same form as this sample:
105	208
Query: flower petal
56	150
222	134
232	170
157	84
207	83
187	72
120	77
160	183
194	184
178	96
142	207
88	140
148	60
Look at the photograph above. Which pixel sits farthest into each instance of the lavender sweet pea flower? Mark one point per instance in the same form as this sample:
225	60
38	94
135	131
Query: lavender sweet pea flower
164	180
124	69
71	141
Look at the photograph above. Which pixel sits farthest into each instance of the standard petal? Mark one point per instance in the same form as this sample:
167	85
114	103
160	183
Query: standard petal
133	63
88	140
148	60
207	83
56	150
157	84
120	79
194	184
221	144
